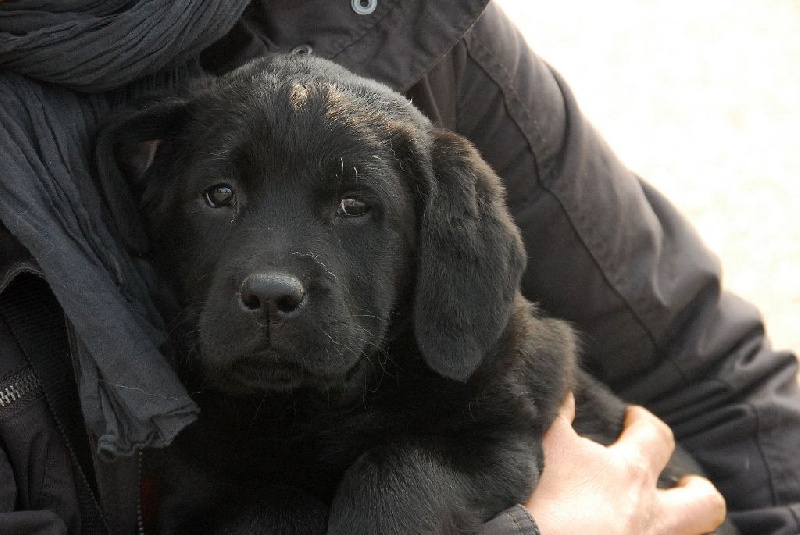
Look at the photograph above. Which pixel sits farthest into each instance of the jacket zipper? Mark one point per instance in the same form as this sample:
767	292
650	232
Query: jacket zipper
139	517
36	322
22	385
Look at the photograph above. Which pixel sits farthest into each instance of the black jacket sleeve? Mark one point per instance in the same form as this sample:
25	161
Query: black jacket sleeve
610	254
514	521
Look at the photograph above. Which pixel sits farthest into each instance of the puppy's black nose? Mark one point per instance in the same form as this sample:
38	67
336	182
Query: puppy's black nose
274	293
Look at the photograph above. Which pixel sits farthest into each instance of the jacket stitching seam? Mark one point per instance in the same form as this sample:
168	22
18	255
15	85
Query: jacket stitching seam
515	520
47	468
457	106
760	448
796	518
419	73
513	97
768	467
759	433
519	513
348	43
509	92
415	73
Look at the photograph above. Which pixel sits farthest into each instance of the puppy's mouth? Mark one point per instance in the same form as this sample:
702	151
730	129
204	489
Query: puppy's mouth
263	374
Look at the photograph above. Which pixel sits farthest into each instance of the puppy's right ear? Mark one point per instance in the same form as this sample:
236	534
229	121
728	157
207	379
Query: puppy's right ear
126	148
470	259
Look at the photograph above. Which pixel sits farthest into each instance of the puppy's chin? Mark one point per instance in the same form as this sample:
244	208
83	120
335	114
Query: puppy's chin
249	376
257	376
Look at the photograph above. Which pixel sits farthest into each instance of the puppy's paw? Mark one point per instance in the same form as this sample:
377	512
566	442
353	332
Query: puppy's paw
397	490
278	510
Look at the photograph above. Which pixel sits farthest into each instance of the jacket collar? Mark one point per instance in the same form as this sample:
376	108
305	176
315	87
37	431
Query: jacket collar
395	44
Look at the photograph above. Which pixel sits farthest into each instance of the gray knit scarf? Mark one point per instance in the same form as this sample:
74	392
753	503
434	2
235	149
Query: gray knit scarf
63	65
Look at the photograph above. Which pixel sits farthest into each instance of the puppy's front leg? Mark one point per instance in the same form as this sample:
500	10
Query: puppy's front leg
426	487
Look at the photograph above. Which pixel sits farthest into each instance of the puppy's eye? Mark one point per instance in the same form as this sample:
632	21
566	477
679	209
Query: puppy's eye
350	207
220	195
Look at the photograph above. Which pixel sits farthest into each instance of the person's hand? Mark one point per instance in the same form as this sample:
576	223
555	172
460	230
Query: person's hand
589	488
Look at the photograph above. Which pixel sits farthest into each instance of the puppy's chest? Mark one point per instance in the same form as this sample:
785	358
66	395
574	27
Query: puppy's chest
309	445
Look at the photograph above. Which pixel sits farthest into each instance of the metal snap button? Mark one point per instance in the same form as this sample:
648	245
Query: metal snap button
364	7
302	50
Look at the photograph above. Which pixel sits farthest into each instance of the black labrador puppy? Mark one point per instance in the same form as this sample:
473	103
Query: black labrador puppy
348	314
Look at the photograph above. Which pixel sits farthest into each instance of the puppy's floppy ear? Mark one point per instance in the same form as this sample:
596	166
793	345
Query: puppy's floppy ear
125	150
470	260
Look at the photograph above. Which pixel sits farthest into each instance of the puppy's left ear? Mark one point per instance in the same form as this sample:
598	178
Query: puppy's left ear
125	149
470	260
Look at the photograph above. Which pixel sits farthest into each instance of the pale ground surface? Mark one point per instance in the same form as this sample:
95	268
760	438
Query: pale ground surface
703	100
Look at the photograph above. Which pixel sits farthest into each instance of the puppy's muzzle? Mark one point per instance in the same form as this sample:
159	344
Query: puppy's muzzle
275	295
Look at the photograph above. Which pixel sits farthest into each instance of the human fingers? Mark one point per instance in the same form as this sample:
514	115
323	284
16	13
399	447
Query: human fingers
567	410
561	440
560	437
693	506
645	441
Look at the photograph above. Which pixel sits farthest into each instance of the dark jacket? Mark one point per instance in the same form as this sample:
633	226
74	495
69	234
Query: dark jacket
606	251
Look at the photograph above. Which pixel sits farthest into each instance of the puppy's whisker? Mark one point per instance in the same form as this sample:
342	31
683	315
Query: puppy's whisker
315	258
367	316
256	413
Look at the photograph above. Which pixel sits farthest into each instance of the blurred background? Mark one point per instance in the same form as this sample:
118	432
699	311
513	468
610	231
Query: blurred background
702	99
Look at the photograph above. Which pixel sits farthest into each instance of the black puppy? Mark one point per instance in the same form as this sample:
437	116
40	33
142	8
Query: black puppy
348	308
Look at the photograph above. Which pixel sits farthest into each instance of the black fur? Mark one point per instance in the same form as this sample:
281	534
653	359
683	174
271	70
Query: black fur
350	323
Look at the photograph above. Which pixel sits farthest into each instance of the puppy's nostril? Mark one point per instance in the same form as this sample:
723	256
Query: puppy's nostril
251	301
288	303
272	292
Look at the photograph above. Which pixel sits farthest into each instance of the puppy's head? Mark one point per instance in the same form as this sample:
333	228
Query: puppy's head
304	215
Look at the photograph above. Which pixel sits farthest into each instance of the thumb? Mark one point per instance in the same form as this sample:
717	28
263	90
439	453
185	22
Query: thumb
693	506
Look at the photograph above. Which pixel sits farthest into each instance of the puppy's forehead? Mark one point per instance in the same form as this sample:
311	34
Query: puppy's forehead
299	95
324	98
331	103
306	120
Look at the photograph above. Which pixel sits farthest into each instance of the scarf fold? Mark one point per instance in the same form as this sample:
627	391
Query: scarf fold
63	65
